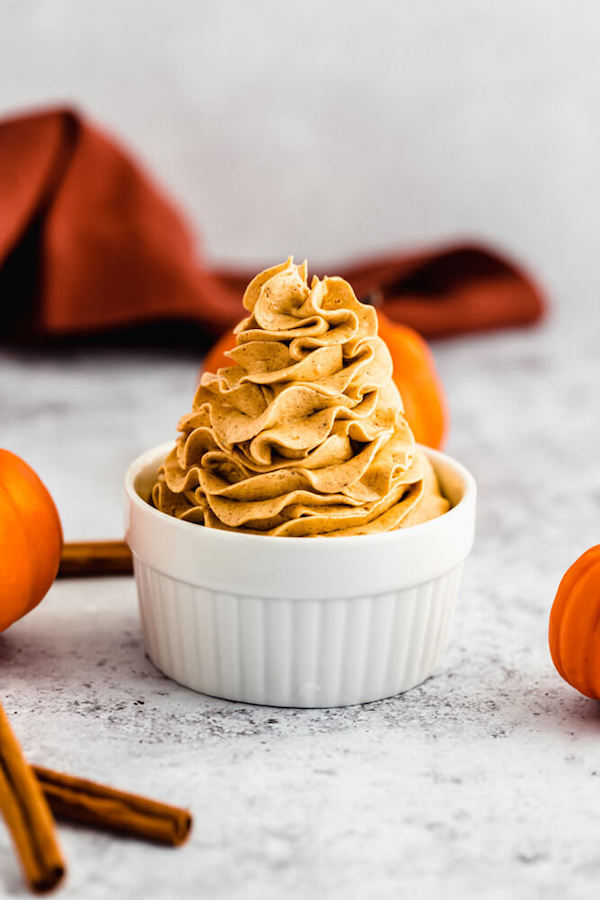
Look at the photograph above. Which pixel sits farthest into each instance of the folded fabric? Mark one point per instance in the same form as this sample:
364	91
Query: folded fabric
89	243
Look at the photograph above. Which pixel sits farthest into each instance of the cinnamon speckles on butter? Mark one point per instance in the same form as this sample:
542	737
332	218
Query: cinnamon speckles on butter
304	433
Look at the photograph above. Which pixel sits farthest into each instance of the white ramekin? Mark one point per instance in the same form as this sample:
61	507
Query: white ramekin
304	622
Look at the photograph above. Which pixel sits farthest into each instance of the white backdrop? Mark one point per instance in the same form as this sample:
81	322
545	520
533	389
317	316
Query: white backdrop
329	129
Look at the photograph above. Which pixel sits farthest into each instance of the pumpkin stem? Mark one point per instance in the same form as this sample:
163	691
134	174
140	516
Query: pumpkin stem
374	298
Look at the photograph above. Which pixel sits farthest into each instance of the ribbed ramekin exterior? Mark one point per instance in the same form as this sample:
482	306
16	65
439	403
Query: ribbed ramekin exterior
291	652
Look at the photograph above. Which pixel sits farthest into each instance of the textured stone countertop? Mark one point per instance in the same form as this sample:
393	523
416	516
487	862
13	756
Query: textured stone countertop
484	782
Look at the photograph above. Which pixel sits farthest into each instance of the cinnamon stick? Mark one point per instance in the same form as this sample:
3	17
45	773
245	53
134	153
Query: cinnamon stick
82	558
104	807
27	815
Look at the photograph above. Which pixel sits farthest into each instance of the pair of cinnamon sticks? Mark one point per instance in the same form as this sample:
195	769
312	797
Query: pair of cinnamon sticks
31	795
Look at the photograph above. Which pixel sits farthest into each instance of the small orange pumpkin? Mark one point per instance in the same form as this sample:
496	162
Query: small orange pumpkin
30	539
417	380
574	633
415	376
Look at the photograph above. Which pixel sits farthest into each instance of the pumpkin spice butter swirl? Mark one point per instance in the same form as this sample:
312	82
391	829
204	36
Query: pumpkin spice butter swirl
304	433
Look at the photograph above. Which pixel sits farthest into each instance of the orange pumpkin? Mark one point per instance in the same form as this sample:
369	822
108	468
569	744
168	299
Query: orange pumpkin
414	373
30	539
417	380
574	633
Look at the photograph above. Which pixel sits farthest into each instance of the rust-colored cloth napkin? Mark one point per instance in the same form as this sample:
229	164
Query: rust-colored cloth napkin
89	243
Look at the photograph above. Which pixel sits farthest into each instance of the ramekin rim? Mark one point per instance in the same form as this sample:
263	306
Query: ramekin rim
135	467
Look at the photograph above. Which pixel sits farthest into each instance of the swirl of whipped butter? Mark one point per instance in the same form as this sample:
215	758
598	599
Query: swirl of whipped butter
304	434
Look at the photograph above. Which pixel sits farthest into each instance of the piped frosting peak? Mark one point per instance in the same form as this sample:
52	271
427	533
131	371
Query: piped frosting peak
304	433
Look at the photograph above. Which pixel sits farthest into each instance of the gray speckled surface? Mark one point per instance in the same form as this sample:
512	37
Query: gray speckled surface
483	782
